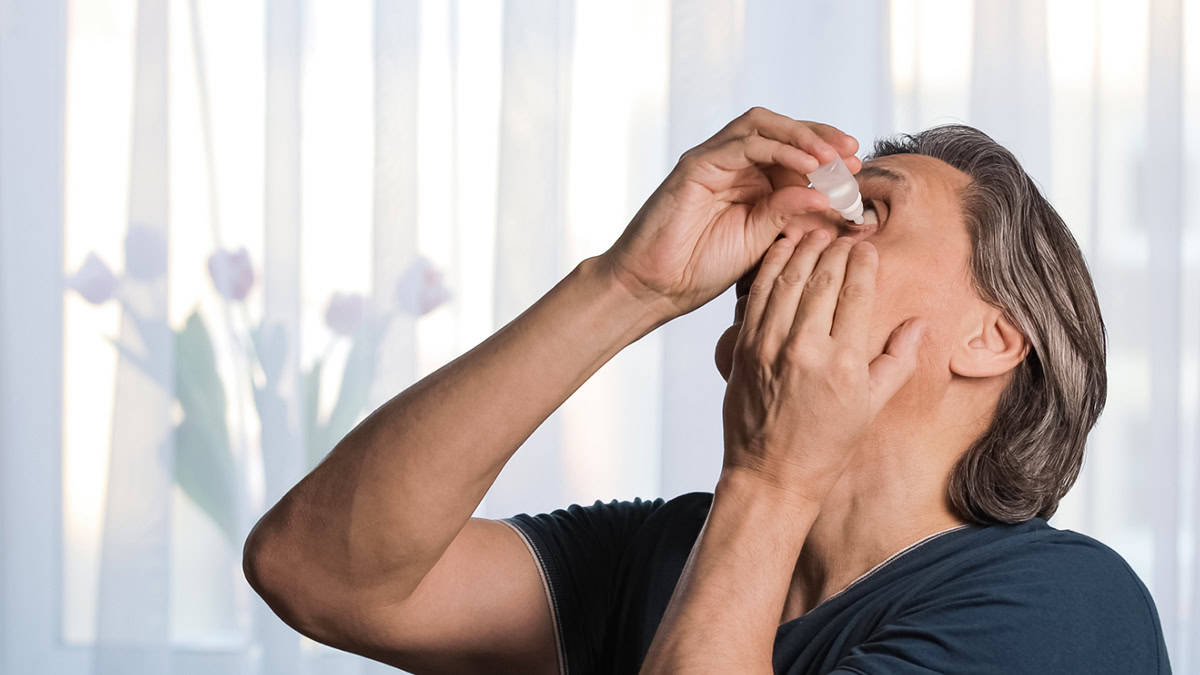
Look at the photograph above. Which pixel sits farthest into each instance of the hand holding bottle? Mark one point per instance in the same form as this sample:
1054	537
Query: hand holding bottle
722	206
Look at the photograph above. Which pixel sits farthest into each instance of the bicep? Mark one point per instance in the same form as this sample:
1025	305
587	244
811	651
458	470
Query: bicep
482	607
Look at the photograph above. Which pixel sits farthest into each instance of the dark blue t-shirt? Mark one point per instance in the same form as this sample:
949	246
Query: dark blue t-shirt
1023	598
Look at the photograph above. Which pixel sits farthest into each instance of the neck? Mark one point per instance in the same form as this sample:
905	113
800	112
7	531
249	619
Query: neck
892	495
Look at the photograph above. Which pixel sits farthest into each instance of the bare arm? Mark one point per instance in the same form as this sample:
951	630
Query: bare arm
357	535
724	612
375	551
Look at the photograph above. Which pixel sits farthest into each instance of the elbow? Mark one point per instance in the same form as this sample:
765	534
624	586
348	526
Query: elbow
259	553
274	580
252	556
295	592
270	567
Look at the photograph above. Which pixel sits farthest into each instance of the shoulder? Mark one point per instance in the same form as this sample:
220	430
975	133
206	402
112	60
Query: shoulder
1067	597
1068	568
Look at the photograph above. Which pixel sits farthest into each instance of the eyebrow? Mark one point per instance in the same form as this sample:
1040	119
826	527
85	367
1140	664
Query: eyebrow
869	172
885	173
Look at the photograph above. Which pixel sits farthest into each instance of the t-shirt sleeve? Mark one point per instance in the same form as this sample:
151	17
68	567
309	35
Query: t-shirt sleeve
1071	606
579	550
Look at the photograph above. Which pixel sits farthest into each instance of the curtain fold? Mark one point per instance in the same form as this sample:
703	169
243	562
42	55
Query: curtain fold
1009	63
1162	169
33	44
394	231
279	401
534	119
133	607
705	92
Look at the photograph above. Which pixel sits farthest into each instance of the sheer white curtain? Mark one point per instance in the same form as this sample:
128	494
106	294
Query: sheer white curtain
230	229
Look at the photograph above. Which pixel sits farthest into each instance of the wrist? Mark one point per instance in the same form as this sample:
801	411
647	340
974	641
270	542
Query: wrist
759	492
656	305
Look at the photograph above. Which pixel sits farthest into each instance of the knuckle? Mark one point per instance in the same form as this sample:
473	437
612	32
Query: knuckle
755	355
802	356
687	161
760	287
854	292
781	250
819	280
817	243
789	279
763	355
755	111
845	361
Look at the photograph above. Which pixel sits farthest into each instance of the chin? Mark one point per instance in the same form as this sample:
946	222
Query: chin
723	354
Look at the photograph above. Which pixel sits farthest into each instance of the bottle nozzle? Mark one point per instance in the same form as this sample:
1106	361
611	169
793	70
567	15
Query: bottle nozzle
855	212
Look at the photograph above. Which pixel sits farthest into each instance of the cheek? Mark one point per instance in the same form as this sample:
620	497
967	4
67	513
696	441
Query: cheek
906	290
899	294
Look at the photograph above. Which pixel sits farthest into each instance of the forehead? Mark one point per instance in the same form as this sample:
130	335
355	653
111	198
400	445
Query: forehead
921	173
927	183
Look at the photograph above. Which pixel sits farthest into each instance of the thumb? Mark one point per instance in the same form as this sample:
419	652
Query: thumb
791	200
896	365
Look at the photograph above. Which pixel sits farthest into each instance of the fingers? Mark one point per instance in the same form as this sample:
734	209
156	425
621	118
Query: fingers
814	315
788	287
795	199
821	141
891	369
845	144
761	290
782	207
816	288
856	300
744	151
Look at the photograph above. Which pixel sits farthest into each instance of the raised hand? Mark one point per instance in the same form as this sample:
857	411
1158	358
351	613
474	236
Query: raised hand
726	200
803	387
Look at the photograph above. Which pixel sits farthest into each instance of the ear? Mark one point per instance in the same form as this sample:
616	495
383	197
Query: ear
991	346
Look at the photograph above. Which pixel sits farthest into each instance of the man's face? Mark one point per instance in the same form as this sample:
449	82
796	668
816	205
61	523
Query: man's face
923	250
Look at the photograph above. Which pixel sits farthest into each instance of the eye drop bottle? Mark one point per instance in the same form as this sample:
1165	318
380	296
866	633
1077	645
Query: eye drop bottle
836	181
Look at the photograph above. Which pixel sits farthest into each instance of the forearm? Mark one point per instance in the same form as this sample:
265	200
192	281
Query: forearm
725	610
381	509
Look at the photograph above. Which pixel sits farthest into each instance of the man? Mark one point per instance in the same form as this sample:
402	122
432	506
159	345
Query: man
906	404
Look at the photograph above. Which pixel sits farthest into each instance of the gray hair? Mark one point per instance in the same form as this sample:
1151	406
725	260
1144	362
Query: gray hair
1025	262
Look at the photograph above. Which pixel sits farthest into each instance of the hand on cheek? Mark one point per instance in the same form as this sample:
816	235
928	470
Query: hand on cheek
803	388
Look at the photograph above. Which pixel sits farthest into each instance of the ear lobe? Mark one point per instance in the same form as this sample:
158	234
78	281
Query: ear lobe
994	347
